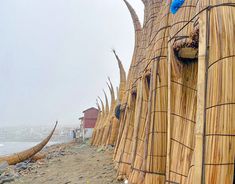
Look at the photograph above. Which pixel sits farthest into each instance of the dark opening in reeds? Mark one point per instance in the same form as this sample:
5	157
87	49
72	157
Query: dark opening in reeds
147	85
187	50
148	80
134	94
118	111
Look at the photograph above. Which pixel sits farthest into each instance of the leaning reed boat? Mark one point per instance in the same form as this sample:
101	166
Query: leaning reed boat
27	154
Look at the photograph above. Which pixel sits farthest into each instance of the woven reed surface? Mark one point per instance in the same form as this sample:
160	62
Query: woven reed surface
155	140
220	101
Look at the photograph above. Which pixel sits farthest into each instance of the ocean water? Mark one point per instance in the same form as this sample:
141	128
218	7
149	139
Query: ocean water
7	148
16	139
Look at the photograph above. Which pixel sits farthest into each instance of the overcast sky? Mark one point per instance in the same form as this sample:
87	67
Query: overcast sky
55	56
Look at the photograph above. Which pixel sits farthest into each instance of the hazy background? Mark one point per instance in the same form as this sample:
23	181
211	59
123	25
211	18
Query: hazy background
55	56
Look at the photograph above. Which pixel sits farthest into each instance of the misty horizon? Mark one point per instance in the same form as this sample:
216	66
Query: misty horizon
55	57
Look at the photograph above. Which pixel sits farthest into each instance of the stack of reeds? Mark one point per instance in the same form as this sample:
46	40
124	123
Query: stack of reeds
177	122
215	135
95	140
182	94
123	150
107	125
120	93
95	133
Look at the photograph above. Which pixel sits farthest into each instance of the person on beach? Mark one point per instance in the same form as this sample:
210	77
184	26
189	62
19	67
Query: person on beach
74	135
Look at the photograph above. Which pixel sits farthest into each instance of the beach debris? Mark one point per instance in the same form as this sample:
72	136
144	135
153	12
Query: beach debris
8	177
55	154
21	166
3	166
7	174
101	149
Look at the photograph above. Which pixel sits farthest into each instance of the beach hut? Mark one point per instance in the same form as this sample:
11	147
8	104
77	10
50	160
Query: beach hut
88	122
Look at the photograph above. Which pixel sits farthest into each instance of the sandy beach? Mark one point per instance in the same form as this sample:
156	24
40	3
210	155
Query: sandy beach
71	163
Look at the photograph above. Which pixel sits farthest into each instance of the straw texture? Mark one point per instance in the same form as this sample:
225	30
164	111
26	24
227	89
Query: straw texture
177	121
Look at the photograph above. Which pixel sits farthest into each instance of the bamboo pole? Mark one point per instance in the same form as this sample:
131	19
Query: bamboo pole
201	102
169	115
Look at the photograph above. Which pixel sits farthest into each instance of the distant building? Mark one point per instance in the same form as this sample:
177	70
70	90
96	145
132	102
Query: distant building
88	122
82	131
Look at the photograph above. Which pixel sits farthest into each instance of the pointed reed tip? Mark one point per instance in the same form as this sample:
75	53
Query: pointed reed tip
108	84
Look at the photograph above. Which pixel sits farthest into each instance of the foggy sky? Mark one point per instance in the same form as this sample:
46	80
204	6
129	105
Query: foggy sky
55	56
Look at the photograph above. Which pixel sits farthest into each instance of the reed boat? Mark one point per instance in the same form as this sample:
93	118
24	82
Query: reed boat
27	154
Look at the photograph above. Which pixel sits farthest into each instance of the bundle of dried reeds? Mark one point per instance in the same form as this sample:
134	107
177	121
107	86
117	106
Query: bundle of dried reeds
215	143
177	123
107	125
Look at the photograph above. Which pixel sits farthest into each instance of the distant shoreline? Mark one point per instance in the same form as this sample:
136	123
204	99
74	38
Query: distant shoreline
7	148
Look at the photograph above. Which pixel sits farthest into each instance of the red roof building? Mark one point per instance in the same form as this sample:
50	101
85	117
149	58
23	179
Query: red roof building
90	117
